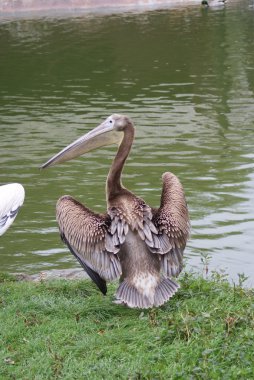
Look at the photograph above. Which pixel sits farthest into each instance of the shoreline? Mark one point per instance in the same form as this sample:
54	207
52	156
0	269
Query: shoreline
80	274
22	6
53	274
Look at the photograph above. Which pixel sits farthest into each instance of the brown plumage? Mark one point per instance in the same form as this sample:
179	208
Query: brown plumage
141	245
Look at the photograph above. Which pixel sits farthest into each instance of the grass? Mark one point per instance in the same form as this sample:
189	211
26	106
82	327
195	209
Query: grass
67	330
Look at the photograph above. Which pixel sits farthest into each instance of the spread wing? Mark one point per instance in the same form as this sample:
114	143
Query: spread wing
88	237
172	223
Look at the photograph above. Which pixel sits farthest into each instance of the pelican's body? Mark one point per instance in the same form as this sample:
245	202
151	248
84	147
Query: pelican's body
141	245
11	199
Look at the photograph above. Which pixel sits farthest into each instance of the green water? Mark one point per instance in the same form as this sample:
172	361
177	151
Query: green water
186	78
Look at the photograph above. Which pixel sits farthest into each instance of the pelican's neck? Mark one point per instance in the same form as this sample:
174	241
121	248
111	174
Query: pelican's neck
114	185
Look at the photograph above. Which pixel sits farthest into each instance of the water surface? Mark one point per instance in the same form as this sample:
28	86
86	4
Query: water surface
186	78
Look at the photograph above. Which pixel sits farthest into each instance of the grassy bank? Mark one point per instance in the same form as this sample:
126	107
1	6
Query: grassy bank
66	330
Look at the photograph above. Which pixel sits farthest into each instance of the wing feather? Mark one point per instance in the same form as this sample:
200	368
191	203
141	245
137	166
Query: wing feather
172	222
100	282
88	237
128	211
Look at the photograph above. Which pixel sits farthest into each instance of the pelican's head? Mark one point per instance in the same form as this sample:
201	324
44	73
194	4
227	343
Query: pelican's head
108	132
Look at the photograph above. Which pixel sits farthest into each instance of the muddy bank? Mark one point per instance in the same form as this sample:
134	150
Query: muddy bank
69	274
38	5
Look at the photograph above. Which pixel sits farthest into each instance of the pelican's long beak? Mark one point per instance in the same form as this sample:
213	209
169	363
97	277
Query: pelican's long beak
102	135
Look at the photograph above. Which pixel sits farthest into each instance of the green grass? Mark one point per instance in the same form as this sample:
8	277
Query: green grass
67	330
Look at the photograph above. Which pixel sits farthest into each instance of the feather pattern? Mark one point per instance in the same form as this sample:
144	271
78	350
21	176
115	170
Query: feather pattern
173	225
128	211
87	234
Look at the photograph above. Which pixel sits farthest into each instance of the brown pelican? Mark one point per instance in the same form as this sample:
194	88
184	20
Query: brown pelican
12	197
141	245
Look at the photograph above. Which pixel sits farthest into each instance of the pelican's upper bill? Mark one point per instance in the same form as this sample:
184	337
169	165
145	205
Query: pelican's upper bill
107	133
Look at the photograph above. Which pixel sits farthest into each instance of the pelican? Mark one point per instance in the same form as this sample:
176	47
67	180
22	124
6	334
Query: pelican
213	3
12	198
142	246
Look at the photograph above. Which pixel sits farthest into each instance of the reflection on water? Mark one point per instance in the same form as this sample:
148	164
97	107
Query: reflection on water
186	78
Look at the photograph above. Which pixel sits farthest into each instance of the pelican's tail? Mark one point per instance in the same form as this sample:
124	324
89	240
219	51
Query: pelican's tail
164	291
145	298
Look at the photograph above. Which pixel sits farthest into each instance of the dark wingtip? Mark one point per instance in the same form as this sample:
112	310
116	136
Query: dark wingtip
96	278
100	282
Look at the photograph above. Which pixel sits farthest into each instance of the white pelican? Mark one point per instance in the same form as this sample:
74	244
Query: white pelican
12	198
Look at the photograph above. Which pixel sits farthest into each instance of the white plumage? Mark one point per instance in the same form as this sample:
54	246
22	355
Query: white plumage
11	199
213	3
